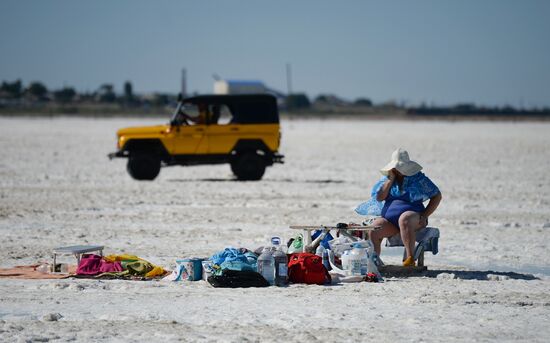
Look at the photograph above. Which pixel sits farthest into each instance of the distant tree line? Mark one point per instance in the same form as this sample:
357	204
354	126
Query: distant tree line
16	94
36	93
300	101
473	110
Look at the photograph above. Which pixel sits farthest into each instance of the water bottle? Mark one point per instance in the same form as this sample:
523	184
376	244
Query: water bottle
355	259
266	265
326	260
364	262
323	253
320	250
372	259
280	263
345	261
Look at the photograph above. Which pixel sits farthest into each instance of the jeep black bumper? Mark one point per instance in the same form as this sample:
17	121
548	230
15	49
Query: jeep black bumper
277	158
119	153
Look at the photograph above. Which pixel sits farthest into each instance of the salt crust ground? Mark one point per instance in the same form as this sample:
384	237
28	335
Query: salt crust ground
58	188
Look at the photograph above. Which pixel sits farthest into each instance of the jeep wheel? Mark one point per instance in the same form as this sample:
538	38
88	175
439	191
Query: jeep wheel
248	166
143	166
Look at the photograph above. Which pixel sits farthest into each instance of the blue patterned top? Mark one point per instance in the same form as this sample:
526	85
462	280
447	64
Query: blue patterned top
418	186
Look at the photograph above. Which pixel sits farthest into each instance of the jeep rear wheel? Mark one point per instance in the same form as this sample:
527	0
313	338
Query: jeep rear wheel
248	166
143	166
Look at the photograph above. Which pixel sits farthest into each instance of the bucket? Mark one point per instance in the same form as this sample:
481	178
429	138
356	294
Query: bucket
192	268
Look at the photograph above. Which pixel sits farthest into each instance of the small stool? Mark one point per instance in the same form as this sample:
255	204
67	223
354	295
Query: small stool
77	251
427	240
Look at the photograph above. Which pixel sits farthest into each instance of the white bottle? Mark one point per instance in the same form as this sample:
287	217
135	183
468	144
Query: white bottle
355	259
364	262
345	261
266	265
43	268
320	250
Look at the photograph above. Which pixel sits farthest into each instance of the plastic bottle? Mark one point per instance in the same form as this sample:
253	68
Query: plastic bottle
43	268
326	261
372	259
345	261
266	265
280	263
364	262
355	259
323	253
320	250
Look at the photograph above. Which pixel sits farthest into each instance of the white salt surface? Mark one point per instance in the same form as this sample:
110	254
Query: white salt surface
58	188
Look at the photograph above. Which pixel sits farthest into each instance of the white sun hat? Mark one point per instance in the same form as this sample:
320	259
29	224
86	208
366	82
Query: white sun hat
400	160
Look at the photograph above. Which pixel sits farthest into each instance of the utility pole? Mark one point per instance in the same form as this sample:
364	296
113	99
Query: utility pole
288	79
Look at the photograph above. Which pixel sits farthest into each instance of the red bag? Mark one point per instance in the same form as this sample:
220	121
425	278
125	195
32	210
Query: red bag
307	268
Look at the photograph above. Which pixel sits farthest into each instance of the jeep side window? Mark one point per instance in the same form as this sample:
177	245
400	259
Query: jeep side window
193	115
221	115
204	114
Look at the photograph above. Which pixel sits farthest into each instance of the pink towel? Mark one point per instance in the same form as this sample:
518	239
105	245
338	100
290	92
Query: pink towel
91	264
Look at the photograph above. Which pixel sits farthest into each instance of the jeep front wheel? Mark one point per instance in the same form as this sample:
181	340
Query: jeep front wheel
248	167
143	166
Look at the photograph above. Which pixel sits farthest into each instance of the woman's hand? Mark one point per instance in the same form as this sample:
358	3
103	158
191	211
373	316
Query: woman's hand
392	174
423	220
385	189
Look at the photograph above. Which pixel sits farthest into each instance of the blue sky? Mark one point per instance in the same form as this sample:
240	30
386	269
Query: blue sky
441	52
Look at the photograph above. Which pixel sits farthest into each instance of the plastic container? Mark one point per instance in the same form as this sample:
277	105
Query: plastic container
355	259
326	260
266	265
345	261
320	250
193	268
364	262
280	263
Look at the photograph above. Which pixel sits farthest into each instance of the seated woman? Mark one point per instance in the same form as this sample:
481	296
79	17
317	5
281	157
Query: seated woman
398	197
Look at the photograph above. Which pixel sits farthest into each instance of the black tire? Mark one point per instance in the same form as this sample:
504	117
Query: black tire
248	166
143	166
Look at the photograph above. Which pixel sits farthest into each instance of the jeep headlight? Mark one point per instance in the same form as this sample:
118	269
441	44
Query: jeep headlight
118	142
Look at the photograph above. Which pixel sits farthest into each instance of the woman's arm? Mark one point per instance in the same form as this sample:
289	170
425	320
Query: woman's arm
383	192
432	205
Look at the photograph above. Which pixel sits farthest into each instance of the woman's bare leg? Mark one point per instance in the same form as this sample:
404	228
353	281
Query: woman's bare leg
409	222
387	230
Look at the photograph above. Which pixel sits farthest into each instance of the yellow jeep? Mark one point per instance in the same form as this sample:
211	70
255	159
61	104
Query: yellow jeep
242	130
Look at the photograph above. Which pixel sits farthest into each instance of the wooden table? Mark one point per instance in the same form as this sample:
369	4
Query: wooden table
77	251
306	229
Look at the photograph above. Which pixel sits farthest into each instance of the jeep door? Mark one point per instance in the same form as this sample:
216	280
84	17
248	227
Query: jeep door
222	138
222	133
189	139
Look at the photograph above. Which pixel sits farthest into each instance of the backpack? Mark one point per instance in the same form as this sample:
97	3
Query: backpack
307	268
237	279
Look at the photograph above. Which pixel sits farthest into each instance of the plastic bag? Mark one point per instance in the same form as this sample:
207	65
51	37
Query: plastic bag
340	244
296	245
